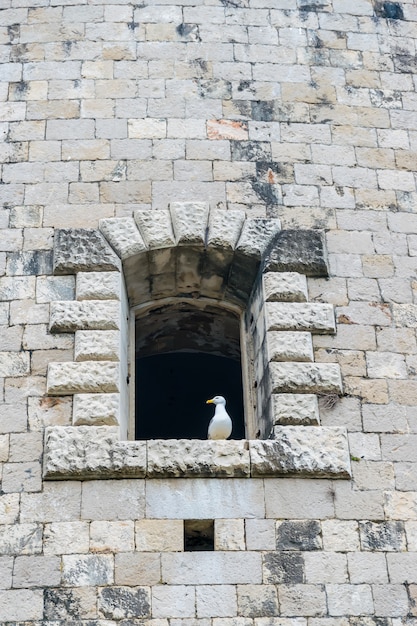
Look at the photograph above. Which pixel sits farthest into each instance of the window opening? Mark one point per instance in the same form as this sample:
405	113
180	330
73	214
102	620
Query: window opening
184	355
198	535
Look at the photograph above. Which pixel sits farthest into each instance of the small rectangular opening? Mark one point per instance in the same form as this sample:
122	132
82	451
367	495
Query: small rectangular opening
198	535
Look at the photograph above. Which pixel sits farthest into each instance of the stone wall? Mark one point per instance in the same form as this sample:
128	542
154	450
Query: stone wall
301	110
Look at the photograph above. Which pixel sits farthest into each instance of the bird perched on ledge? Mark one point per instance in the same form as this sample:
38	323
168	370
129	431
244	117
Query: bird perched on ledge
220	426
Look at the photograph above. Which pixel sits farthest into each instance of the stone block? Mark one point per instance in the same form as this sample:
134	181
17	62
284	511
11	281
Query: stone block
306	600
159	535
225	228
283	568
298	535
382	536
66	317
70	604
216	601
36	571
19	605
96	409
298	498
35	262
113	499
260	534
58	502
82	250
49	288
14	364
186	457
112	536
156	228
173	601
349	600
137	568
203	498
257	600
367	567
97	345
123	236
305	378
257	235
325	567
297	409
211	568
315	316
66	538
91	451
98	286
229	534
6	570
340	535
87	570
87	377
18	539
124	602
314	451
189	221
22	477
302	251
284	287
289	346
391	600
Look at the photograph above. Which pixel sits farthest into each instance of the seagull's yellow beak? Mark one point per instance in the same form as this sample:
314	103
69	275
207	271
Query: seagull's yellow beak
209	402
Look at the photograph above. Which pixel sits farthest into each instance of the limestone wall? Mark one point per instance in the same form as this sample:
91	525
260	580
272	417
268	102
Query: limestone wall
302	110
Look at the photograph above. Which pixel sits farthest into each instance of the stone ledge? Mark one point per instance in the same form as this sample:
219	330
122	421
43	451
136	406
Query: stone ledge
91	452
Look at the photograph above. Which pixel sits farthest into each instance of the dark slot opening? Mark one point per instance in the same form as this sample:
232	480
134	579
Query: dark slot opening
198	535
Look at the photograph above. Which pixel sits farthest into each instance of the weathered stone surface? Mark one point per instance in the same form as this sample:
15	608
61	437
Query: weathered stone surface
155	228
185	457
305	377
68	604
189	220
315	316
257	235
82	250
86	377
405	315
67	316
283	568
36	263
97	345
301	251
96	409
87	570
98	286
298	535
225	228
90	452
302	450
49	288
295	408
14	363
289	346
285	287
382	536
123	236
124	602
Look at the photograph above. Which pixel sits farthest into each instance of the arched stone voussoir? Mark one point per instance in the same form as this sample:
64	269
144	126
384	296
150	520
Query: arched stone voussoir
82	250
123	236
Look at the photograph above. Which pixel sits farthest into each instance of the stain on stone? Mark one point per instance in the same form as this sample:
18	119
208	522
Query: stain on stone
283	568
301	251
30	263
250	150
263	111
188	32
124	602
317	6
299	535
61	604
235	4
215	88
382	536
389	10
19	90
13	31
274	173
268	193
405	63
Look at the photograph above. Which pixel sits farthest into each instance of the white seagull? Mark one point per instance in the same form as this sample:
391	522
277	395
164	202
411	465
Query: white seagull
220	426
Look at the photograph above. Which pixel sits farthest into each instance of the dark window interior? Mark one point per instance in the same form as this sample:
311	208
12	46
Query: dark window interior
198	535
184	356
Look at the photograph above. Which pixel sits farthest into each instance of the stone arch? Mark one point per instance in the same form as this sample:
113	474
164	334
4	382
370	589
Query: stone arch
222	256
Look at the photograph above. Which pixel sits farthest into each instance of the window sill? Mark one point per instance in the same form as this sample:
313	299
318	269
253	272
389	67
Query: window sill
87	452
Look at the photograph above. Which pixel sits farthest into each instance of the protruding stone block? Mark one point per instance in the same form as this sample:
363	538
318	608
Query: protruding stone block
225	228
97	345
305	378
98	286
91	452
285	287
289	346
82	250
123	236
295	408
313	316
191	457
304	451
189	220
69	316
88	377
301	251
155	228
96	409
257	235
